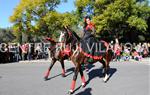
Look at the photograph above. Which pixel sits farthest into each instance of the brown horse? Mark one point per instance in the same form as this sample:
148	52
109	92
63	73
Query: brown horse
60	52
79	57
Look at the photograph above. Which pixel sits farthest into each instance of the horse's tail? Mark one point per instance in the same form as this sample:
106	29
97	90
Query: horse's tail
110	54
109	51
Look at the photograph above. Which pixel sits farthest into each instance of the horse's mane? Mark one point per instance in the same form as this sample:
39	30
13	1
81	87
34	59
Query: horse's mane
74	33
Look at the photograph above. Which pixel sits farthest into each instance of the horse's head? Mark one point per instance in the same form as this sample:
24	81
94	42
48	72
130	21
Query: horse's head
65	36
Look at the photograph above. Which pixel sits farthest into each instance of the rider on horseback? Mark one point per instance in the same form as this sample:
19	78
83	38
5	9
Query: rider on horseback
88	37
91	47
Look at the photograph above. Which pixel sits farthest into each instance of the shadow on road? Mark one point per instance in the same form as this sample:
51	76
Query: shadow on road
87	67
93	74
98	73
68	72
87	91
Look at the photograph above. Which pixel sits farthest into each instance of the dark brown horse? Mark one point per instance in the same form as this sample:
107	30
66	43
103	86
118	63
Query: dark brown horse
79	57
60	52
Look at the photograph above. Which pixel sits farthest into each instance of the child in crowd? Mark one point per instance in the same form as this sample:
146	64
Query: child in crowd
136	55
126	54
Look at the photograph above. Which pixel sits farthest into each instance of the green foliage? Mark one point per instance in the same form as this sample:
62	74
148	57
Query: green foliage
117	16
139	23
39	17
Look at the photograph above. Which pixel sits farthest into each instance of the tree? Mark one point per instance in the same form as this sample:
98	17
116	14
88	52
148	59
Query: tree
117	17
28	16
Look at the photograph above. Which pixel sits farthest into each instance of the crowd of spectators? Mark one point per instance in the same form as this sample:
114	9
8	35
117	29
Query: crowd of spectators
31	51
13	52
127	51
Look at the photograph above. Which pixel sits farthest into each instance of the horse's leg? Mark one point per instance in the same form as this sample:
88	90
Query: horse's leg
106	73
74	79
63	68
82	77
85	65
103	66
106	68
50	67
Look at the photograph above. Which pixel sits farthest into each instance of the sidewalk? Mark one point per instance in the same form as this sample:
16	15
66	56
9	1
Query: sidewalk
36	61
147	60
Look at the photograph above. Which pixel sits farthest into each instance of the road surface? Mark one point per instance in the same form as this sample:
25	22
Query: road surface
26	78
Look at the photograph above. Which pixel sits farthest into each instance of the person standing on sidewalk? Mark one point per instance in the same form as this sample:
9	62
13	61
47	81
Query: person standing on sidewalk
24	49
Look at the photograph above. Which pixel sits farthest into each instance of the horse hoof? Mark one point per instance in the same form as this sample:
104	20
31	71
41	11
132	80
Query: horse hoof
45	78
106	78
70	92
83	85
63	75
105	81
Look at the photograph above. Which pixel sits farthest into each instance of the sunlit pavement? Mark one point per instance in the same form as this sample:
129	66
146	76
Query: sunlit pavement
27	78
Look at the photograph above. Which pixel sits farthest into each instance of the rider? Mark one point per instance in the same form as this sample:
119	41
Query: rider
89	35
88	25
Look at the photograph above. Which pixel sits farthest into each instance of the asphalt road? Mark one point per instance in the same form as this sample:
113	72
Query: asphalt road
26	78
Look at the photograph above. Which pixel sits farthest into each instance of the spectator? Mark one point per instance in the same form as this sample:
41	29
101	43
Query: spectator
118	54
2	56
24	49
136	55
126	54
31	51
38	51
145	50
